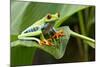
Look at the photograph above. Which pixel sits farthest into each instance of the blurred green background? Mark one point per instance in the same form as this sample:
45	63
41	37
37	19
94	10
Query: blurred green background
80	18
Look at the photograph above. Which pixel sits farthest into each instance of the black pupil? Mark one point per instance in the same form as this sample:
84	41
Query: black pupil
49	17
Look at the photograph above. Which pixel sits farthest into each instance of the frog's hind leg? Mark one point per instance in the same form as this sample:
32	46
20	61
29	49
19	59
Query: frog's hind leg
30	38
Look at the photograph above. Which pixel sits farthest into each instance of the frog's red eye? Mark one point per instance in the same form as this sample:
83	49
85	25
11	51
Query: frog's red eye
48	16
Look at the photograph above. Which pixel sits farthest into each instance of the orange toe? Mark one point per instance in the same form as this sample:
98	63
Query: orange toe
58	34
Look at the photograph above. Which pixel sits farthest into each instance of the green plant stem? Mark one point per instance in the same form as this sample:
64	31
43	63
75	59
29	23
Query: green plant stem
82	28
78	43
82	37
81	23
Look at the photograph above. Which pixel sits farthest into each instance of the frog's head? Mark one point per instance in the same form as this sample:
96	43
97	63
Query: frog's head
52	17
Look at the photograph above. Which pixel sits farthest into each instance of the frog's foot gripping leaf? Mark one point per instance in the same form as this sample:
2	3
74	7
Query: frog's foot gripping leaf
46	42
58	34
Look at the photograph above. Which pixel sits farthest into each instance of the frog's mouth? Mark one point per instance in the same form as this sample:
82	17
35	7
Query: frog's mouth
52	21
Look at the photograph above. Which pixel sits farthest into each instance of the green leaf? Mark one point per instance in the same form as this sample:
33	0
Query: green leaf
21	51
17	10
67	11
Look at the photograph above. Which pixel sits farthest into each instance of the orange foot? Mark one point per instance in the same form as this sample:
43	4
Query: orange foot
46	42
58	34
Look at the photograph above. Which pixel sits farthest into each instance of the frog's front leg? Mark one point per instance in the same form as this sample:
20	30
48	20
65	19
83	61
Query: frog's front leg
45	41
57	34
